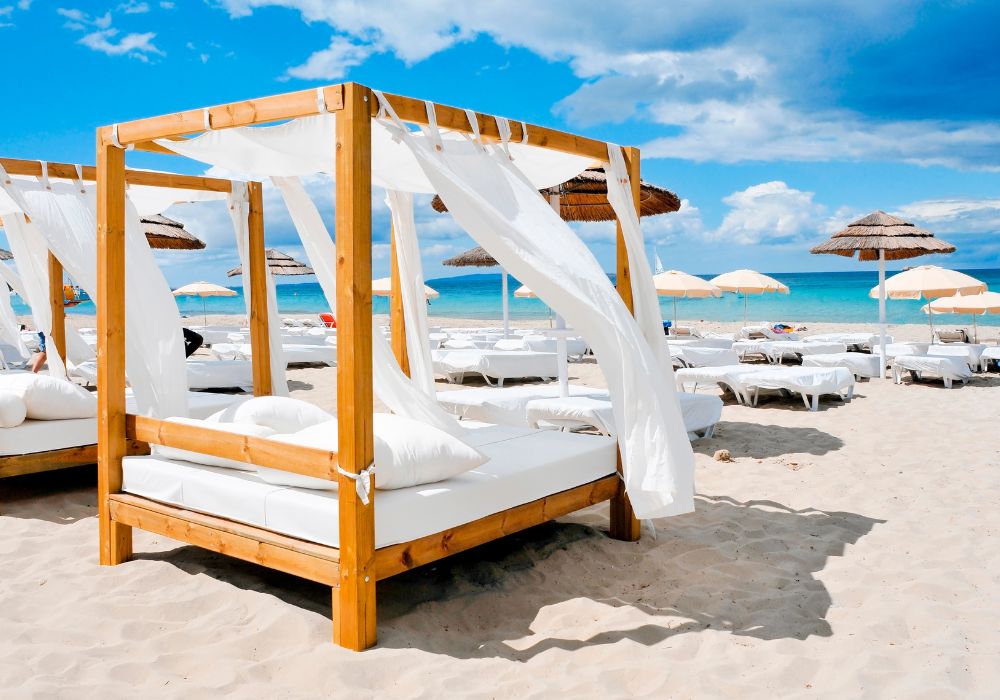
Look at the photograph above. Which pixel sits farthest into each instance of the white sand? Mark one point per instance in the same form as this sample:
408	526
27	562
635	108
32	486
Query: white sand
850	552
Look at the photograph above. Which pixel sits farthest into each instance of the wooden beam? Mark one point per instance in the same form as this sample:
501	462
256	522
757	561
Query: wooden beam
624	525
115	538
298	557
289	105
57	341
67	171
354	624
397	320
308	461
398	558
260	340
51	460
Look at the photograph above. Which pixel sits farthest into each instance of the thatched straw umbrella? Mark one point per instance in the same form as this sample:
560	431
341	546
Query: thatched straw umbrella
880	236
167	234
279	264
478	257
585	198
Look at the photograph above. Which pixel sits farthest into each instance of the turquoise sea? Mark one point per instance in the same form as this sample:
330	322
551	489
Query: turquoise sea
815	296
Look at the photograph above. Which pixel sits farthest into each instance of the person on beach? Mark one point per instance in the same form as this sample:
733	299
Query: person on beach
39	358
192	341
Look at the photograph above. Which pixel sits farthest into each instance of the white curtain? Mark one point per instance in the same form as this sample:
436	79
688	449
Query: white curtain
390	384
411	276
239	210
65	216
503	212
10	329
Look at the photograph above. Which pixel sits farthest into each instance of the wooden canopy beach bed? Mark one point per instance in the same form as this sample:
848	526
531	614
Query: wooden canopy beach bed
17	460
352	568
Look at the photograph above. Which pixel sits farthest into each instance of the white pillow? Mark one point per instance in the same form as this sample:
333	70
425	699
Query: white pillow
49	398
407	453
12	410
211	460
279	413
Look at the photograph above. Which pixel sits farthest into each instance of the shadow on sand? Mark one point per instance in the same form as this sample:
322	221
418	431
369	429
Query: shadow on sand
759	441
747	568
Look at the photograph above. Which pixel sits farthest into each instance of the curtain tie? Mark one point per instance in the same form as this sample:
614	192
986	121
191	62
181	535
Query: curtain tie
362	481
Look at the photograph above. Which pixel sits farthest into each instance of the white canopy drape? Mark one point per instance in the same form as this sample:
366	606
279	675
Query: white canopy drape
10	329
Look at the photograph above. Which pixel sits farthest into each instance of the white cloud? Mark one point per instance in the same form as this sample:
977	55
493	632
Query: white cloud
135	45
333	62
134	7
78	19
24	4
167	5
769	213
955	216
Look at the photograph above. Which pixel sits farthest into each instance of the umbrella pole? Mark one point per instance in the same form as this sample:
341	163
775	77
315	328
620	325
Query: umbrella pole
204	309
675	314
930	320
975	330
506	305
746	300
881	313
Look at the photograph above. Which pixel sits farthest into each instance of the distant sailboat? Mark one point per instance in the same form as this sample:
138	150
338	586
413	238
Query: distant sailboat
657	263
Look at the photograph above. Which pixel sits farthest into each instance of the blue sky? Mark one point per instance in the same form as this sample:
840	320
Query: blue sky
776	123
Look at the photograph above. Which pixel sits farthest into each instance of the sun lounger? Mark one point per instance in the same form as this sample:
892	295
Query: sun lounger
202	374
949	369
700	411
957	335
859	341
764	332
749	348
810	382
525	465
576	348
972	353
694	356
779	350
727	377
860	364
894	350
494	364
309	353
507	405
990	354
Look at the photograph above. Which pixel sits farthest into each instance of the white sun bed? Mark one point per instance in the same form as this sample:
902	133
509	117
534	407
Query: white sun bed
990	354
776	351
894	350
525	465
309	353
494	364
860	364
507	405
726	377
695	356
810	382
861	341
972	353
746	348
45	435
201	374
949	369
700	411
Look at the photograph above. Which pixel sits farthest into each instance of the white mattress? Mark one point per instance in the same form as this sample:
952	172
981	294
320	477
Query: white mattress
526	465
943	366
43	435
700	412
859	363
861	340
202	374
970	352
990	353
728	375
812	381
507	405
797	348
497	364
696	356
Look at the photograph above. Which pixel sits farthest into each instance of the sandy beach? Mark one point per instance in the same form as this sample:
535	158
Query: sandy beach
850	552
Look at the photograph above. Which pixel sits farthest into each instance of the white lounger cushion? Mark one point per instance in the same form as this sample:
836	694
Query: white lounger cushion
13	410
860	364
943	366
811	381
49	398
507	405
407	453
43	435
525	465
281	414
495	363
201	374
700	411
696	356
858	339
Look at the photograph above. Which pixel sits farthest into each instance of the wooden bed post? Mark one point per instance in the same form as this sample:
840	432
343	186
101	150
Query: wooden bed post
57	341
260	340
624	525
354	600
397	321
116	539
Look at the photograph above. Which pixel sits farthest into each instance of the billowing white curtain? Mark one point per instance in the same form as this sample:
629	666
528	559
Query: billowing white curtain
65	216
411	276
488	196
390	384
239	210
10	329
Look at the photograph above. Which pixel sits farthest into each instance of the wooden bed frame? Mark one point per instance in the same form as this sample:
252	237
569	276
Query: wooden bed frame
352	569
49	460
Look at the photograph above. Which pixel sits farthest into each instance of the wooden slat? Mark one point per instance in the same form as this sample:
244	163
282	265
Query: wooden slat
57	340
260	341
256	111
415	111
115	538
354	626
308	461
310	561
398	558
624	525
397	321
33	168
51	460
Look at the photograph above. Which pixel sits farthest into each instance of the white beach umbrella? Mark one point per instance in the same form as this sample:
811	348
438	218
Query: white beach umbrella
972	304
204	290
383	287
523	292
748	282
677	284
929	282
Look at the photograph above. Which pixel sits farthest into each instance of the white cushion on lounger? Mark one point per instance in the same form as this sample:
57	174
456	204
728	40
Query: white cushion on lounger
859	339
212	460
859	363
971	352
729	375
282	414
696	356
943	366
496	364
507	405
811	381
700	411
525	466
795	348
201	374
50	398
13	410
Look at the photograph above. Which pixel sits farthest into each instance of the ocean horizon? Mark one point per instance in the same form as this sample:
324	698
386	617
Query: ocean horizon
814	297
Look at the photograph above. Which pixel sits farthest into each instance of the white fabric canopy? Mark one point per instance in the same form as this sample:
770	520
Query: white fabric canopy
491	199
306	146
10	329
239	210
